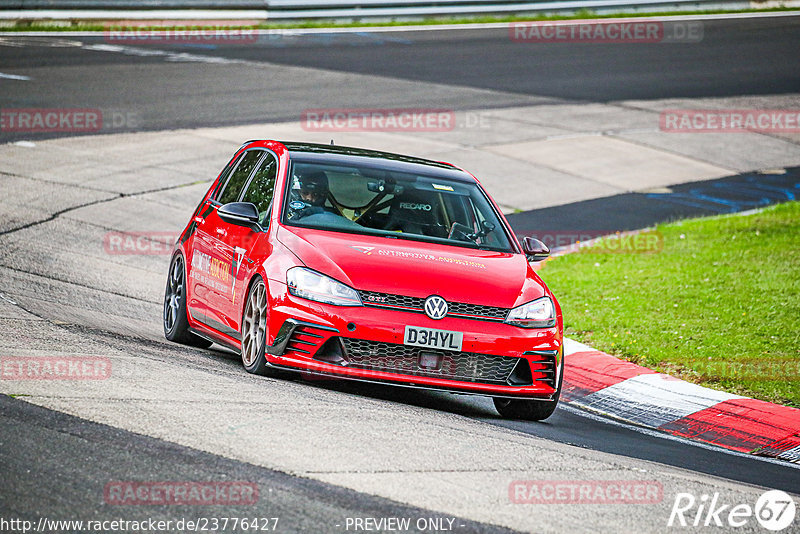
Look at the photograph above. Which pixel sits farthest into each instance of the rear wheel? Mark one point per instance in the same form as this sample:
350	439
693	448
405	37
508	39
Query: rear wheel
176	325
528	409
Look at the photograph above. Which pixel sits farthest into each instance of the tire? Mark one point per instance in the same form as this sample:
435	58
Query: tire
176	325
254	332
530	410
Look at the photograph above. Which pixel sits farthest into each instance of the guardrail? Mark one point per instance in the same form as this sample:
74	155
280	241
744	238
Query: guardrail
334	9
133	4
293	9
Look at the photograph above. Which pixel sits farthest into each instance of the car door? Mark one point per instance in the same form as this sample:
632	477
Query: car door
196	285
240	241
210	264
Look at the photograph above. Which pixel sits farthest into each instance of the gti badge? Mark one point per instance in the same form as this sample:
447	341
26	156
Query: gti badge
435	307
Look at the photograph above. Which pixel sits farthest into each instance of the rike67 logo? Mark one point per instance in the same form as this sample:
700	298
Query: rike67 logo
774	510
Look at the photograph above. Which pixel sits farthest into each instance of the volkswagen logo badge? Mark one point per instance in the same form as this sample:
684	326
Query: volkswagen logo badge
435	307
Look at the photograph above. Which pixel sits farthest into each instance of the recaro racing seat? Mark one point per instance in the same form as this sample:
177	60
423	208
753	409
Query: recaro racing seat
416	212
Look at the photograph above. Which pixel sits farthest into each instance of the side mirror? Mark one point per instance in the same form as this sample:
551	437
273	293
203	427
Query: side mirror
240	213
534	249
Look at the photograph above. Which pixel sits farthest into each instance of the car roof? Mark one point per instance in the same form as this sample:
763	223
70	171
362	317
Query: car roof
344	155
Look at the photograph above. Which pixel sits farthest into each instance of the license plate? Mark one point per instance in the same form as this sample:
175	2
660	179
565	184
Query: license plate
432	338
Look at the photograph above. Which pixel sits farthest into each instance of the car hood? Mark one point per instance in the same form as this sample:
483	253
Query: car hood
416	269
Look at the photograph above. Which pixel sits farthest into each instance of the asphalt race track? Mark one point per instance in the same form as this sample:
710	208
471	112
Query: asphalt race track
634	210
321	452
270	80
77	457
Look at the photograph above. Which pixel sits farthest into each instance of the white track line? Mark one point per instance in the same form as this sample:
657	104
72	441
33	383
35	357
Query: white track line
13	77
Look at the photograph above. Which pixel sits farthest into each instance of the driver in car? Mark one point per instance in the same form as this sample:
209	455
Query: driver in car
313	192
314	188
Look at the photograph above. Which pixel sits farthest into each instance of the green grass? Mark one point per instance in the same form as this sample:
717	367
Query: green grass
718	306
66	26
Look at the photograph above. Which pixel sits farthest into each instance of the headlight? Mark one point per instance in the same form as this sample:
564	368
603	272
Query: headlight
311	285
539	313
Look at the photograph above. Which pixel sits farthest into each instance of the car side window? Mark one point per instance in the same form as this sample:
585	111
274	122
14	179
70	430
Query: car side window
262	186
226	172
239	176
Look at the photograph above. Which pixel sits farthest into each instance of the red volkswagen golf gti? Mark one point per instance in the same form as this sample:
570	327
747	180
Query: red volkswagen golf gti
369	266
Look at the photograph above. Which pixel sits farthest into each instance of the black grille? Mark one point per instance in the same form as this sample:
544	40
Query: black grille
373	298
303	340
417	304
479	311
394	358
543	366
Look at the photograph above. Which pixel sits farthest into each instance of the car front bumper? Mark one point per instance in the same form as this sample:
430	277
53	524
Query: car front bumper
366	344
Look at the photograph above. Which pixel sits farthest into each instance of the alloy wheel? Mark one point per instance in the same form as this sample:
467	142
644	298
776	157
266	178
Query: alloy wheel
172	300
255	324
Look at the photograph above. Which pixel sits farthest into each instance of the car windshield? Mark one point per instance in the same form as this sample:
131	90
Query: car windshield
375	201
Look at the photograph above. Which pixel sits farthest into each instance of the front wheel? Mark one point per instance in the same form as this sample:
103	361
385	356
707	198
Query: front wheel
528	409
254	332
254	329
